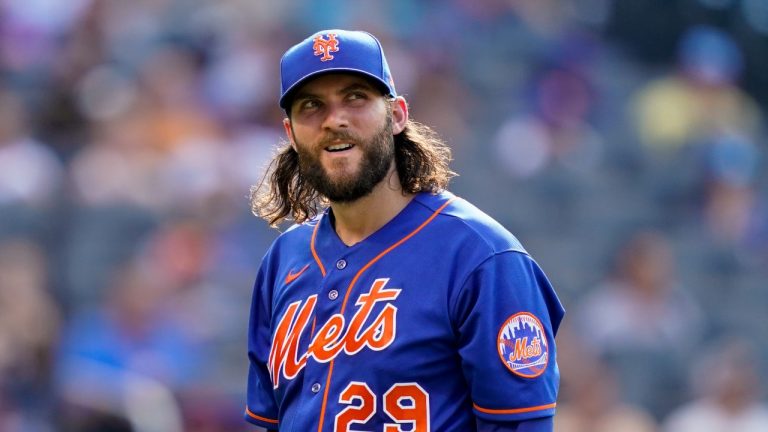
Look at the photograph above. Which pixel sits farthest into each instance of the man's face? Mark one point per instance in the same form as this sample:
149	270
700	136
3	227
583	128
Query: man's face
341	127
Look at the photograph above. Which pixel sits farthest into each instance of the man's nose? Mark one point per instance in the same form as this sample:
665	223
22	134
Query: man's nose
336	118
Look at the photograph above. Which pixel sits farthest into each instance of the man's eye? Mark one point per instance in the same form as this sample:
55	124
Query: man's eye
356	96
309	104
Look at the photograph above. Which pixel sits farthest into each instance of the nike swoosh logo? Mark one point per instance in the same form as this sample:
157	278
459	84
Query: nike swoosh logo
293	276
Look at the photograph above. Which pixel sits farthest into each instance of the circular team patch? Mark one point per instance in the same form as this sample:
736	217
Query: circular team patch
523	346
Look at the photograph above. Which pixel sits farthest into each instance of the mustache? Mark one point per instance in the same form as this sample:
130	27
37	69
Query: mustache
338	136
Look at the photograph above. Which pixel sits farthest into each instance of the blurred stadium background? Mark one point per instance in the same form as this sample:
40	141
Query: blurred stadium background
624	142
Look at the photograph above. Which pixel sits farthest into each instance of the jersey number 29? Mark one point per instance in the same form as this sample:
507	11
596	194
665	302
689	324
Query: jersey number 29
405	403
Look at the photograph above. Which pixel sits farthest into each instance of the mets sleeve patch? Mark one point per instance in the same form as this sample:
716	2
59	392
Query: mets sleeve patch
522	345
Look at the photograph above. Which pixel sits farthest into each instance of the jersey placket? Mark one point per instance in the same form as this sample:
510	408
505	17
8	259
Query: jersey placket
329	300
337	270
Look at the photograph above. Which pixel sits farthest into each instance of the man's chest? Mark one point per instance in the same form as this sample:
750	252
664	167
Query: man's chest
378	316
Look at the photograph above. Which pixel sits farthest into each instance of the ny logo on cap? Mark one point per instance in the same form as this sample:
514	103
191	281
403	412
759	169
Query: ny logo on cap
325	47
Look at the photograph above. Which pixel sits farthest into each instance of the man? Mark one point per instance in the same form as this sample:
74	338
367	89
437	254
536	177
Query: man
391	304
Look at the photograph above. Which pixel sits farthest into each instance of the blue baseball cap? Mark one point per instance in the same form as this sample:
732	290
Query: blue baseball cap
333	51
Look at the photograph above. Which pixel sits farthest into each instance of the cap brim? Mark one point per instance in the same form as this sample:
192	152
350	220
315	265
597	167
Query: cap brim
285	101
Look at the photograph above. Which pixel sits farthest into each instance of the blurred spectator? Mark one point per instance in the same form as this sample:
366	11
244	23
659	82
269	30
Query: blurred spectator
133	331
171	99
442	114
167	320
556	129
115	202
238	82
119	167
29	325
642	321
30	30
591	399
699	99
727	389
735	214
128	355
30	173
642	300
197	267
62	123
594	403
179	257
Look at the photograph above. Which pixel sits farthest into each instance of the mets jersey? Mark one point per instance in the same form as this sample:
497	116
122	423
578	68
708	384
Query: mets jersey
438	317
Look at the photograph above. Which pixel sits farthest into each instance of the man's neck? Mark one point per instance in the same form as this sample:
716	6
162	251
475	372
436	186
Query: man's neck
357	220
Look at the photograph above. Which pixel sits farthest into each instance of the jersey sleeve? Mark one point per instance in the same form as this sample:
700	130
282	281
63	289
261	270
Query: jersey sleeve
506	315
261	407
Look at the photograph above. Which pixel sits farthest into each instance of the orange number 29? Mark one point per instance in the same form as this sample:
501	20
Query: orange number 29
405	403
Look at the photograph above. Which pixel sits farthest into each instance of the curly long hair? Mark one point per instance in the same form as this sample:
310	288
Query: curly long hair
421	160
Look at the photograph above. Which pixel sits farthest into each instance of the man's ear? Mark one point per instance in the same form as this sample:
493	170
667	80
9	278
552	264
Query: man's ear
399	115
289	132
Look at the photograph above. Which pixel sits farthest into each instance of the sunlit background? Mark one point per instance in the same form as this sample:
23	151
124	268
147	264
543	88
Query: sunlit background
623	142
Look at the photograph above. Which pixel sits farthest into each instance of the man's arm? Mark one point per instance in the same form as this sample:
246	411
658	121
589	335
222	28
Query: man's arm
506	318
261	407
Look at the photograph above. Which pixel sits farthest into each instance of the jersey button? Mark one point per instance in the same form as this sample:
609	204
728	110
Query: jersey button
341	264
333	294
315	387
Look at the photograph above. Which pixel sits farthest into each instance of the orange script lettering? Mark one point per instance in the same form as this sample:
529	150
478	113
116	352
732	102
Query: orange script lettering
334	335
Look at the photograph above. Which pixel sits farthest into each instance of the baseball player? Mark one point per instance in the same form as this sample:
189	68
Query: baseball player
391	304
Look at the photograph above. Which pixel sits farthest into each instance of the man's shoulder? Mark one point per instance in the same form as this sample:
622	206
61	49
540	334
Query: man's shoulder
460	217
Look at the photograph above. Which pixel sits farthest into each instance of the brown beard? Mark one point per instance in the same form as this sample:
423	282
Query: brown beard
378	154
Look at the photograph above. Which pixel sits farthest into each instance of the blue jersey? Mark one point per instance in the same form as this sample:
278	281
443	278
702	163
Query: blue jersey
437	318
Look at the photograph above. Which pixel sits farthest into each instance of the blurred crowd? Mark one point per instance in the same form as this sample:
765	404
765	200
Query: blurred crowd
624	143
